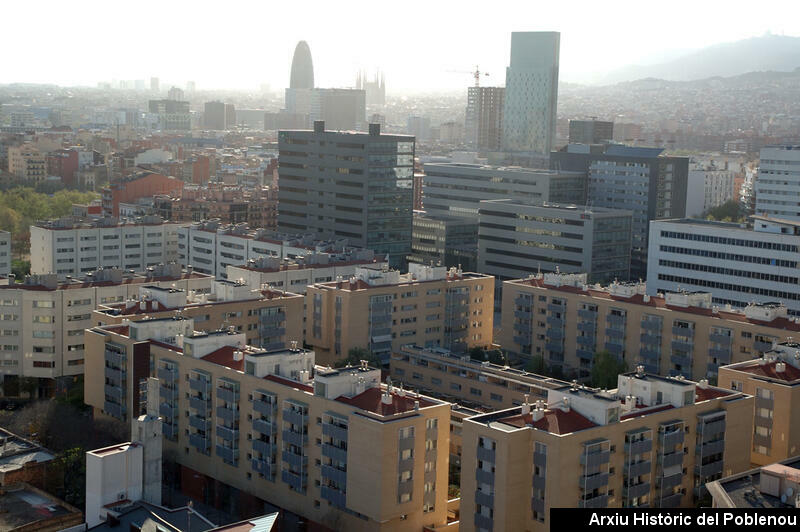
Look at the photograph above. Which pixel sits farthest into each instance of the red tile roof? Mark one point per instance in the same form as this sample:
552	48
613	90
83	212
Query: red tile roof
768	370
555	421
370	400
224	357
704	394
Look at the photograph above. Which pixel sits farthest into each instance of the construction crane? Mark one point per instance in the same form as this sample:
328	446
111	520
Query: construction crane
476	74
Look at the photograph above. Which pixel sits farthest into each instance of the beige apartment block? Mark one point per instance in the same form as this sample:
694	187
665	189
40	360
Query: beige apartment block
270	319
337	447
653	442
457	378
42	320
774	381
27	163
566	321
380	310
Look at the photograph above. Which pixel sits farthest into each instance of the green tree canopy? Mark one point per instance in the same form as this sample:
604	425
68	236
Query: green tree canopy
729	211
355	355
605	368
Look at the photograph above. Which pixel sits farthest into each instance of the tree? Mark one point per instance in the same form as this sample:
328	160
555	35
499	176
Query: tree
20	268
355	355
605	368
730	211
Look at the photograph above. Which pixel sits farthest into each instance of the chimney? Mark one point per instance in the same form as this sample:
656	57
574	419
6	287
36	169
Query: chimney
780	367
238	356
565	406
702	384
538	412
639	371
319	126
386	398
416	406
526	408
374	129
143	304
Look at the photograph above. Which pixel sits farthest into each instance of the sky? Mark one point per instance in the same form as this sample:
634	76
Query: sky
420	45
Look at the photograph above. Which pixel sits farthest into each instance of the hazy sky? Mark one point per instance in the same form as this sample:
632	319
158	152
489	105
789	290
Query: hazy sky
241	44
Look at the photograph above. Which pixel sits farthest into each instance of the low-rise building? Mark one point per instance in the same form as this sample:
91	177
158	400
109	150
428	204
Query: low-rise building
774	380
137	185
450	241
653	442
566	321
334	446
5	253
42	320
517	238
776	485
381	310
28	508
27	163
72	246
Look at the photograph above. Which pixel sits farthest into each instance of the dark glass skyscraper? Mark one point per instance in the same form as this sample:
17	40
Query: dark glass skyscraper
302	76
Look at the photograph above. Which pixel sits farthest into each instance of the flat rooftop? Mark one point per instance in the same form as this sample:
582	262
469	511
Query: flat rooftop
743	489
26	506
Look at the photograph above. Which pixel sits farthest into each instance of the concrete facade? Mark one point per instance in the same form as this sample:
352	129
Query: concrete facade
778	183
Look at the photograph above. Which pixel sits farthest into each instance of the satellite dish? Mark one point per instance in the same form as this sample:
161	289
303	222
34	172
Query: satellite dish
783	499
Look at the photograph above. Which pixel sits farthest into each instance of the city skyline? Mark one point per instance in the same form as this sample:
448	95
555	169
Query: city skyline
358	42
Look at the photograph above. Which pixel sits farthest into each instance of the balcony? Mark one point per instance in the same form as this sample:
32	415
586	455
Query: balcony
650	354
263	407
683	361
672	438
169	394
523	314
201	405
555	322
587	326
272	319
601	501
228	433
296	461
679	345
295	480
294	417
295	438
588	341
616	334
555	307
336	475
227	414
200	442
722	355
227	394
762	347
671	501
484	477
117	375
484	499
169	431
537	505
670	481
115	359
583	354
539	482
228	454
616	321
652	341
334	453
200	423
115	392
595	458
759	421
723	339
651	325
200	385
539	459
637	490
262	425
639	447
168	374
684	332
555	334
764	441
523	328
672	459
168	410
638	468
263	447
713	447
336	497
593	482
262	466
585	314
522	340
761	402
614	348
711	428
707	470
554	347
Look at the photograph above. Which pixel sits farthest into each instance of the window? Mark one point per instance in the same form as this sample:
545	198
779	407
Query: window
43	364
475	391
736	385
496	397
406	432
455	386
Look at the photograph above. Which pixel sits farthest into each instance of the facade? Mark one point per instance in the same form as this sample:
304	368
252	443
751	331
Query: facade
566	321
652	442
771	486
456	189
375	89
215	116
590	131
247	418
210	247
738	265
74	246
43	320
484	117
340	109
517	238
348	185
269	319
255	206
774	380
27	163
381	310
531	95
419	127
297	274
143	184
450	241
302	75
640	180
5	253
172	114
708	186
778	183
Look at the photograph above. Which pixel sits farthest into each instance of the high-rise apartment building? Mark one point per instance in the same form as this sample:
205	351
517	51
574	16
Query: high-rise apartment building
419	127
484	117
774	380
652	442
590	131
777	186
74	246
43	320
230	115
566	322
215	116
531	94
738	265
517	238
456	189
172	114
332	445
340	109
640	180
381	310
352	185
450	241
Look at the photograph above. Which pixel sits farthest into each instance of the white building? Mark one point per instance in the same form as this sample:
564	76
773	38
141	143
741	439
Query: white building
5	253
709	185
42	320
778	184
210	247
738	264
73	246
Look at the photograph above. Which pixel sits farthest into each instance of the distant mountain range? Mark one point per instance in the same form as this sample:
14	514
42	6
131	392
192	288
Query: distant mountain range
769	52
